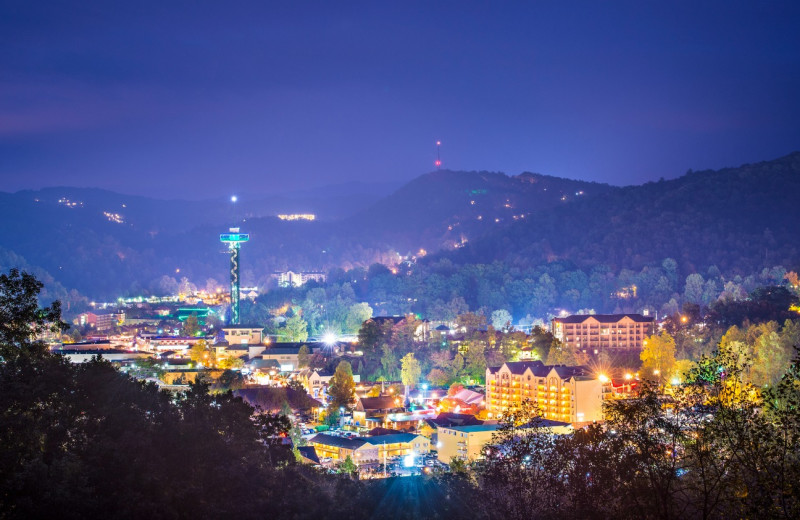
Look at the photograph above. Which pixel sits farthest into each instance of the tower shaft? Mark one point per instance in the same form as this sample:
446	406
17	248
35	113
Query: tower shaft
234	240
234	283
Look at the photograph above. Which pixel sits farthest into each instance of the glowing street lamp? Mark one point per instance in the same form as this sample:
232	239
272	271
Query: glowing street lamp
329	338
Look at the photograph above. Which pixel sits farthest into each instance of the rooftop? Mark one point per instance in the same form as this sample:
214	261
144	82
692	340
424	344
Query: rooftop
243	327
395	438
539	369
604	318
338	442
472	428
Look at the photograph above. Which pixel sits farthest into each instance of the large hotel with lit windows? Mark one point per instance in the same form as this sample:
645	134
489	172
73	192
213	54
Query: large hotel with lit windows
596	332
567	394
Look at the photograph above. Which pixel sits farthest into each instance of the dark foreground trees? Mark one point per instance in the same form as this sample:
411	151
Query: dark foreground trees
86	441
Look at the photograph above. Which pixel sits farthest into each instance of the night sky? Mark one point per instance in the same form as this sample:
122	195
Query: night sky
203	99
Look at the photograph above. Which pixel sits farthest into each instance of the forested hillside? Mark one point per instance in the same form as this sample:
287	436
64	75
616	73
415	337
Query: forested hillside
739	219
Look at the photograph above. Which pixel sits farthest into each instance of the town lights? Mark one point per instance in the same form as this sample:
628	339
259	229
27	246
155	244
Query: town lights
329	338
603	378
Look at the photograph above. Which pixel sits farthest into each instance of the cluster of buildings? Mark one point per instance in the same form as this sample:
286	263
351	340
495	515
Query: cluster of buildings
383	425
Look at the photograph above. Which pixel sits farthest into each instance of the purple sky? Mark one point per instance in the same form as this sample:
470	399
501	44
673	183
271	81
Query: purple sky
201	99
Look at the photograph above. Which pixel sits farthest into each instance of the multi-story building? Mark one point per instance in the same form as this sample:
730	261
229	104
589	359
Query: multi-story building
87	318
463	442
292	279
244	334
109	321
596	332
562	393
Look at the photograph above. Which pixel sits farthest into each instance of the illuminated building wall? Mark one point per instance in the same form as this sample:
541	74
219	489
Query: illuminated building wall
598	332
568	394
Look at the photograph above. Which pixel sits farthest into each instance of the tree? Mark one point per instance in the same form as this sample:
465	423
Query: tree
476	360
410	371
562	354
471	322
230	380
231	362
190	326
693	291
341	388
303	356
389	363
201	353
348	467
438	377
21	318
357	314
658	357
370	335
294	330
501	319
332	416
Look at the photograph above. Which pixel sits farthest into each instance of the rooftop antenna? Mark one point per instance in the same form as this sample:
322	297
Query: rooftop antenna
438	162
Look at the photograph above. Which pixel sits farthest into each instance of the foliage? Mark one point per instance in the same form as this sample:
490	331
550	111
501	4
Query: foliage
341	388
201	352
231	363
303	356
658	357
347	466
191	327
21	318
294	330
411	371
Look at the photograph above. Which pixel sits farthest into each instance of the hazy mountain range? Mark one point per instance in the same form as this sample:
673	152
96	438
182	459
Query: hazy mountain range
106	244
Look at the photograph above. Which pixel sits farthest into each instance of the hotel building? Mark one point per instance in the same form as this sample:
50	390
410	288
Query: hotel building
596	332
568	394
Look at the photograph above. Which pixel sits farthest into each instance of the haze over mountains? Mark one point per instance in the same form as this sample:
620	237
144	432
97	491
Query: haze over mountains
105	244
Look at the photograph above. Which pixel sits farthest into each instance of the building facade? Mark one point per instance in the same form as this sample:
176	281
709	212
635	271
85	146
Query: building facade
244	334
364	450
562	393
292	279
463	442
596	332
